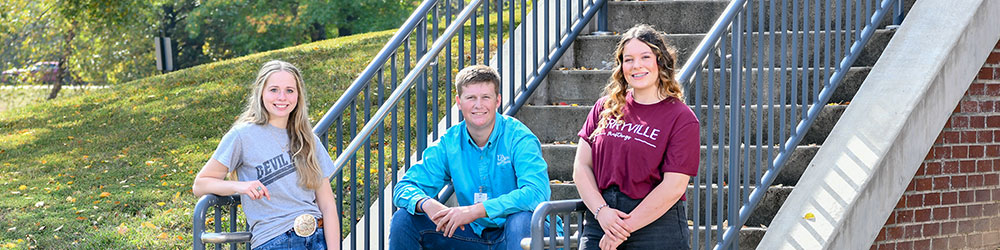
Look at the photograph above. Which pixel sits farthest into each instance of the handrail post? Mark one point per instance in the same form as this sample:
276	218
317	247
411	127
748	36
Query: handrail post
602	20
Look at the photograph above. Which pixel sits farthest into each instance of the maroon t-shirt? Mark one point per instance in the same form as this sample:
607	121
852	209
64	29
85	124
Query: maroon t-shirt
649	140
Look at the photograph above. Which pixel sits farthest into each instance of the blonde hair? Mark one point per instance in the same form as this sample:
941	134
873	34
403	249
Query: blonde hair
476	74
666	62
300	134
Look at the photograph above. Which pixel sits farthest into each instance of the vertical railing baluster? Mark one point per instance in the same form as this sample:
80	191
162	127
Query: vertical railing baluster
473	34
232	224
826	50
696	215
434	80
510	52
354	177
381	162
340	174
770	79
367	164
785	79
760	89
745	108
709	166
448	66
734	120
500	56
407	133
724	105
486	32
218	224
421	92
524	43
395	126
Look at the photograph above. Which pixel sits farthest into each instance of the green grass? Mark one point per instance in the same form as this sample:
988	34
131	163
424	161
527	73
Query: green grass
112	169
12	97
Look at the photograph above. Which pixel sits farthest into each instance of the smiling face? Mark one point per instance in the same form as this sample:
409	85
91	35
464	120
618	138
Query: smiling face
280	96
639	65
478	102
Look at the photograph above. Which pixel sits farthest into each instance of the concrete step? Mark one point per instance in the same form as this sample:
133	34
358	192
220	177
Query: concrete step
560	161
561	123
584	87
597	51
763	215
697	16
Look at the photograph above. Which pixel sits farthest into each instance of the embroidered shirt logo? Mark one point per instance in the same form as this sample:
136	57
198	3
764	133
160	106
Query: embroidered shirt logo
502	159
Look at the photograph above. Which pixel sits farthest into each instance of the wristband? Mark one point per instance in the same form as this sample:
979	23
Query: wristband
599	209
420	204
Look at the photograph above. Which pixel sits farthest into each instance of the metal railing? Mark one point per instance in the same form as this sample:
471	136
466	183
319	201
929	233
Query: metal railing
757	83
418	107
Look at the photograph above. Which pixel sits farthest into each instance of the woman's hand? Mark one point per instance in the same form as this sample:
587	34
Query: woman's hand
610	242
254	189
613	223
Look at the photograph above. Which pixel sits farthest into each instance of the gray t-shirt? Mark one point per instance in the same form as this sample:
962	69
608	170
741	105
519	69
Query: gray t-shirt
258	152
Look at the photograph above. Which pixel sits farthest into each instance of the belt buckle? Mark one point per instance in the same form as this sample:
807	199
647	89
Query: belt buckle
305	225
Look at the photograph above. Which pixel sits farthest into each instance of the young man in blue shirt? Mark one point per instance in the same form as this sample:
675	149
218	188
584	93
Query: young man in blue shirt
495	164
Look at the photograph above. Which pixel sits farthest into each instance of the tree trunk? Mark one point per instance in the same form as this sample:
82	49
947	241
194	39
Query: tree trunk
64	55
317	32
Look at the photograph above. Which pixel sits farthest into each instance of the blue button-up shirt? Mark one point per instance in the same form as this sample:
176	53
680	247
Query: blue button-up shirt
509	169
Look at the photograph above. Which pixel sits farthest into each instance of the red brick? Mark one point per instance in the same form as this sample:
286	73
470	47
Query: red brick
997	46
984	137
920	170
993	58
992	238
941	183
996	133
923	184
924	244
968	136
991	180
949	227
874	246
943	152
969	106
976	89
922	215
892	233
940	213
939	243
996	193
932	199
984	166
966	226
959	121
993	89
904	216
993	121
966	196
974	210
933	168
913	231
992	150
969	166
912	186
977	121
914	200
974	240
881	236
983	195
959	181
950	167
986	106
957	212
887	246
904	245
975	181
949	198
957	242
976	151
990	210
985	74
960	151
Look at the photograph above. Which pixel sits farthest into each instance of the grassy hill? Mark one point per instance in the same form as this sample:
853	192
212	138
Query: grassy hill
112	169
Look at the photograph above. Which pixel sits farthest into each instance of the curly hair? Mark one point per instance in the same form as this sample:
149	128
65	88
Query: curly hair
617	87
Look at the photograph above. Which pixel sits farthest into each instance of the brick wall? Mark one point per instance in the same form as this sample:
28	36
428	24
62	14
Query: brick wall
953	201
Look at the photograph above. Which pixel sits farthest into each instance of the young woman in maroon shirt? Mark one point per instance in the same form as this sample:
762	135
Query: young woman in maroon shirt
637	151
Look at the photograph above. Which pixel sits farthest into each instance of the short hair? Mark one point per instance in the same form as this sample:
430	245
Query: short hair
476	74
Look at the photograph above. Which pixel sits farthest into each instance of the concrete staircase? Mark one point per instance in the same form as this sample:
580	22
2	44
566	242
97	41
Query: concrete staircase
581	81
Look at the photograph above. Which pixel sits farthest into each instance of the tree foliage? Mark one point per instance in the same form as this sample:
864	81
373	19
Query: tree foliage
107	42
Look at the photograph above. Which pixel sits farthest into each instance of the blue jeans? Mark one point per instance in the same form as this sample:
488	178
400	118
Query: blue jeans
418	232
670	231
290	240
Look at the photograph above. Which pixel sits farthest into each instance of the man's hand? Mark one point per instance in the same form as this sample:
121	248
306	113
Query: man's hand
450	219
610	242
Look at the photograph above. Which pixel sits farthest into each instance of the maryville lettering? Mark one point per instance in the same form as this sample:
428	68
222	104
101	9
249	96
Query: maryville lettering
627	131
275	168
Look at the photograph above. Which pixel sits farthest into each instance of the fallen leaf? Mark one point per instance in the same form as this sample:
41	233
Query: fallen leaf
162	236
149	225
105	194
81	218
22	187
161	203
122	229
70	199
809	216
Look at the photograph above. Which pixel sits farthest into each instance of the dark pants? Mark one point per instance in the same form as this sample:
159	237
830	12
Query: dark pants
670	231
418	232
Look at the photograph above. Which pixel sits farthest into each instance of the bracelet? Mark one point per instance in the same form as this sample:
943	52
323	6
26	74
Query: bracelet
599	209
420	204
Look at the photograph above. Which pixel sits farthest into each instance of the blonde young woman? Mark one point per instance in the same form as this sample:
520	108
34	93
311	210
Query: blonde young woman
637	151
283	170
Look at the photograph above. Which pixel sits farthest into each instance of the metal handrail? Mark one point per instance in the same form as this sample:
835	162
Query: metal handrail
199	237
323	126
731	21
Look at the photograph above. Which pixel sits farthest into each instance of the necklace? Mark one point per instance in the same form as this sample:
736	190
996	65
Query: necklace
284	146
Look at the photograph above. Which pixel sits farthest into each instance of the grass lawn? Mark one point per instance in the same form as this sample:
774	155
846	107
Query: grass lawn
12	97
112	168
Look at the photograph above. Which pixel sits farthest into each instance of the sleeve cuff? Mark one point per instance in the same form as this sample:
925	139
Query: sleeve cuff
412	204
493	208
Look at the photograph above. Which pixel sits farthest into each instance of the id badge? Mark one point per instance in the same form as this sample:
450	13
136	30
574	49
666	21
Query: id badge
479	197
